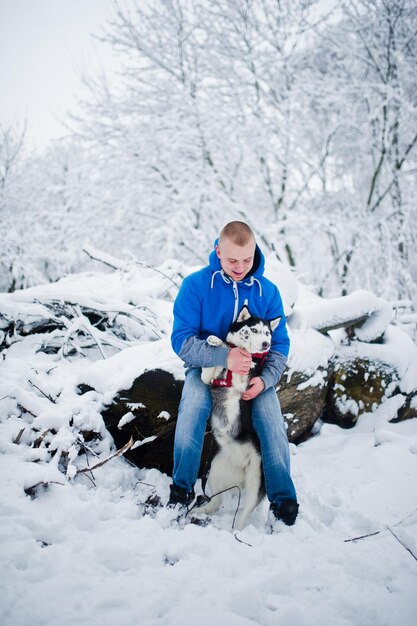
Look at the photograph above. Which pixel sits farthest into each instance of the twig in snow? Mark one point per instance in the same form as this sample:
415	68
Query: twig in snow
85	447
402	543
25	410
379	531
363	536
125	448
150	267
141	482
240	541
96	255
42	392
91	478
114	263
17	439
33	490
95	339
38	441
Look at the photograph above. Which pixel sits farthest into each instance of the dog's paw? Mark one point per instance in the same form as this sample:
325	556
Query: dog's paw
207	375
212	340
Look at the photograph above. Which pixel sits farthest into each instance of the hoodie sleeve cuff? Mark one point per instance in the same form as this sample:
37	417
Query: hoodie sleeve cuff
273	369
198	353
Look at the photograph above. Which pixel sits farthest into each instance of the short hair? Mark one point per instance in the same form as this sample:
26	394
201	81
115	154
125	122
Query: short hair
238	232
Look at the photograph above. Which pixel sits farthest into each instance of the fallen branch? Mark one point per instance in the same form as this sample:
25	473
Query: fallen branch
241	540
34	489
107	259
402	543
378	532
42	392
18	437
155	269
117	264
38	441
363	536
119	452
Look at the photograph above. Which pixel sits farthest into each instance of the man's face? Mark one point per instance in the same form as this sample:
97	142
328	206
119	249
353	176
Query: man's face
236	261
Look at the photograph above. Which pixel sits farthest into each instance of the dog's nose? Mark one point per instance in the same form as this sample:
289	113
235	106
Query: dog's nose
265	345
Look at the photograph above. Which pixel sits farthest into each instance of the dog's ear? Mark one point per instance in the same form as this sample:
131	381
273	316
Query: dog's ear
274	323
244	314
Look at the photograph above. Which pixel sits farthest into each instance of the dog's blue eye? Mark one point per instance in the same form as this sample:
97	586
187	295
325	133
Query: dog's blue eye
254	330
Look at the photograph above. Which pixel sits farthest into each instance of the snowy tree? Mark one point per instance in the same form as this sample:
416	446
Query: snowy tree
298	121
203	114
299	124
12	141
368	60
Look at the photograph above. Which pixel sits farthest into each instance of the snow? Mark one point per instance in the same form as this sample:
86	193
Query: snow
309	350
89	554
281	274
79	547
327	313
119	371
262	125
125	419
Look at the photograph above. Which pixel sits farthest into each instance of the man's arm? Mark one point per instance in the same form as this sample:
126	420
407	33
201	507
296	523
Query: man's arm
187	315
198	352
273	368
270	375
185	337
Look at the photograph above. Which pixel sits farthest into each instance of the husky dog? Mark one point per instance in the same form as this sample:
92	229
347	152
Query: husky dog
238	459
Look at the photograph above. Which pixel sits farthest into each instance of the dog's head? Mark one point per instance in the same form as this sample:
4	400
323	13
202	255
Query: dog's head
252	333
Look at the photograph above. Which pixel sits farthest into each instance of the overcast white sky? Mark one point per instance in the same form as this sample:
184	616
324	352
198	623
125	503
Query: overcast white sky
44	45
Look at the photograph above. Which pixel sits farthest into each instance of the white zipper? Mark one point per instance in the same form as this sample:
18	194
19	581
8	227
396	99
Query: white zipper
236	295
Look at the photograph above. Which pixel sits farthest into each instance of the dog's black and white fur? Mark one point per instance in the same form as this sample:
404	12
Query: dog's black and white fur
238	460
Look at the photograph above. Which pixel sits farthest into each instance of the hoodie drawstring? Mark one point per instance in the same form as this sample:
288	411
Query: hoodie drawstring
223	275
228	280
255	280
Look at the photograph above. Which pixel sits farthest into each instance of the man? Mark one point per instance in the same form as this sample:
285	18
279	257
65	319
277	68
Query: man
207	303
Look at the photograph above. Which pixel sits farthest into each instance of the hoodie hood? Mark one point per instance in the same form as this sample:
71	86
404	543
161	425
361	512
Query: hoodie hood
257	268
209	301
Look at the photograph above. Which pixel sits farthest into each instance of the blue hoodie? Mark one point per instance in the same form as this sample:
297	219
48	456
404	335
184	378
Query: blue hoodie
209	301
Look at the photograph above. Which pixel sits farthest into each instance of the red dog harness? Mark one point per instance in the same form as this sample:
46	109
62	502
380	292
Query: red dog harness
259	357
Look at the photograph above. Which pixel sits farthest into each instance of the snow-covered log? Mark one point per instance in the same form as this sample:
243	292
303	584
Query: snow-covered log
90	311
361	313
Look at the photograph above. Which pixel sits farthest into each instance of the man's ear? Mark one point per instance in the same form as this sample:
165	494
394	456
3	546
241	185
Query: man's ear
274	323
218	251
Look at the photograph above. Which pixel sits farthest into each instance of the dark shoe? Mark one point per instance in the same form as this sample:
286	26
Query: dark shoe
178	495
177	507
285	511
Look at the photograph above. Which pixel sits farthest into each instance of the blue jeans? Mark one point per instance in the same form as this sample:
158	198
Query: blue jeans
194	411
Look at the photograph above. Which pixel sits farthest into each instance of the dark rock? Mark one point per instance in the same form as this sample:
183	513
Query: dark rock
83	388
355	387
154	400
301	408
406	412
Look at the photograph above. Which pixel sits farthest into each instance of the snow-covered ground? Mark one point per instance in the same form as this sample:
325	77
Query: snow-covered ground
83	551
84	554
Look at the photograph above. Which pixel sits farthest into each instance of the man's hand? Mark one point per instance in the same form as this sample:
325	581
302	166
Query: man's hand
256	386
239	361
